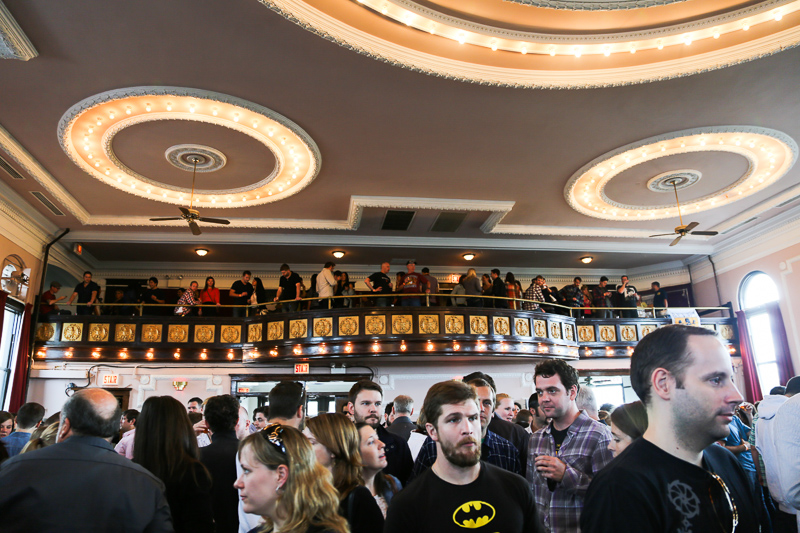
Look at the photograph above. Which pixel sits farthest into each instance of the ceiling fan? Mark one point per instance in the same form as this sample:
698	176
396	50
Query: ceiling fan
192	215
681	231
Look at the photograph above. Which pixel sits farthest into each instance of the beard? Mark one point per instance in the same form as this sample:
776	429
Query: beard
695	427
462	457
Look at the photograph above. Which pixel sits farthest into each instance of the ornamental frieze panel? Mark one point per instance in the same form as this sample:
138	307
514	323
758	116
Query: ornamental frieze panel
586	333
501	325
323	327
298	329
151	332
522	326
454	324
45	332
569	332
726	331
204	333
125	332
478	325
348	325
275	331
71	332
628	333
649	328
608	334
98	332
375	325
231	334
429	324
254	333
555	330
540	328
401	325
178	333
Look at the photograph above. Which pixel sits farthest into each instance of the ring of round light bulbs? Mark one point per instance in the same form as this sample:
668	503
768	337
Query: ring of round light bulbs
87	131
770	155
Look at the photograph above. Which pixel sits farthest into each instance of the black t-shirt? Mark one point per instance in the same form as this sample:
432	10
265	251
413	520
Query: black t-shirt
289	286
497	501
559	435
239	287
361	511
379	279
648	490
660	298
85	291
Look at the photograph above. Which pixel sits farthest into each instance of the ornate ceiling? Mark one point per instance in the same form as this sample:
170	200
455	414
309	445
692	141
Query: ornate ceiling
310	119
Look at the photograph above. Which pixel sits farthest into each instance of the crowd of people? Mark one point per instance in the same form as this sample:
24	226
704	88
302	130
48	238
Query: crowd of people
489	290
690	455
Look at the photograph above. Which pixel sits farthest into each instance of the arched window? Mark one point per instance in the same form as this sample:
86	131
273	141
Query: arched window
756	291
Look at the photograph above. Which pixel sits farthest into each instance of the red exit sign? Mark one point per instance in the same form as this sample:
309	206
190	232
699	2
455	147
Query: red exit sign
301	368
111	379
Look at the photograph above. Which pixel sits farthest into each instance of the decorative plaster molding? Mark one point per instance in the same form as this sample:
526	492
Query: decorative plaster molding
209	159
148	382
14	44
367	44
595	5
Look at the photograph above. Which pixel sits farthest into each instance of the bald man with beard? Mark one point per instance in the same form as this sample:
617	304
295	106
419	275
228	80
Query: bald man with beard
81	483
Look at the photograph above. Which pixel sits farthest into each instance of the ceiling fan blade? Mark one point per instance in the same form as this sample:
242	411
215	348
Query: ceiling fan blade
673	243
663	234
709	233
214	220
691	226
194	227
167	218
185	211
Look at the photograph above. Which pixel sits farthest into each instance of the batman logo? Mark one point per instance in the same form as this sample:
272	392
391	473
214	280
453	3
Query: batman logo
473	515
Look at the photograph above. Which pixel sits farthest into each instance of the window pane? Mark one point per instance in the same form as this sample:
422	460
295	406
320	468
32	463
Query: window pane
759	289
768	377
761	337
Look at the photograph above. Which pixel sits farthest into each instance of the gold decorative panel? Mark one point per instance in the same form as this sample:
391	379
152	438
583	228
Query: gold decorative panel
348	325
429	324
178	333
649	328
71	332
712	327
125	333
523	327
501	325
375	325
275	331
569	333
454	324
478	325
231	333
540	328
98	333
151	333
323	327
204	333
298	329
608	334
628	333
555	330
254	333
401	324
586	333
726	331
45	332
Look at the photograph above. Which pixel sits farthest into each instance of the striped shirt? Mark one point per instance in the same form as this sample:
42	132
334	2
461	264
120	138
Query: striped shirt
495	450
585	452
533	292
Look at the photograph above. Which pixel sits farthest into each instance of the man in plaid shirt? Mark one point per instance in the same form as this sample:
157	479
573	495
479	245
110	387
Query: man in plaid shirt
534	292
565	455
494	449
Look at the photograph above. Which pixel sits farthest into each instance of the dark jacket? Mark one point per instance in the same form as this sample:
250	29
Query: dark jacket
398	455
402	427
499	289
220	460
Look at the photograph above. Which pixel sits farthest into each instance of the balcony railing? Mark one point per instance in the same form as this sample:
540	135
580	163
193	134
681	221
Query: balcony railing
329	332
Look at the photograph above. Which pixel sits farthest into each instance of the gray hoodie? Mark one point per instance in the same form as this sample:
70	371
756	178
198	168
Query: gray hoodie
765	444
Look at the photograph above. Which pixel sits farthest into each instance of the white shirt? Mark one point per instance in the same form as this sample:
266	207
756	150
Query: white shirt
125	444
765	444
325	283
787	446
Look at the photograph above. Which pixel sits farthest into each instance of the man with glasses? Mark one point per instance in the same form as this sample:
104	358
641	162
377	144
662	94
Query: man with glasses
674	478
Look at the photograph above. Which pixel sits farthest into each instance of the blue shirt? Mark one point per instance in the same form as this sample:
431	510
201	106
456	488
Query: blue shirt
495	450
15	442
739	433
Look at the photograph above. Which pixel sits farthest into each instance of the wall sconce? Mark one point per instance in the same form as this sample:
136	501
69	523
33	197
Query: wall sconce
429	346
297	350
179	384
230	356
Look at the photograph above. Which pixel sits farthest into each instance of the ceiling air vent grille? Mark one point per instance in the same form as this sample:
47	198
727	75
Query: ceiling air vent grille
397	220
47	203
739	225
5	165
787	202
448	222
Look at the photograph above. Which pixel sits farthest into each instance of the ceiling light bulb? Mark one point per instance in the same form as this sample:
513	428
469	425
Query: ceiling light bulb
97	163
524	50
606	50
86	147
270	132
164	195
660	44
128	110
663	148
716	34
119	180
108	172
236	117
258	196
494	46
111	115
149	190
633	49
384	9
214	111
169	107
90	156
552	51
269	193
99	122
147	107
283	141
213	200
461	37
201	252
587	259
191	109
577	51
91	130
746	26
432	29
468	256
688	40
255	124
778	15
229	200
338	254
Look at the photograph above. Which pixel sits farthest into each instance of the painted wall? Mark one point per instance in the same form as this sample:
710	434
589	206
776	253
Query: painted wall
784	268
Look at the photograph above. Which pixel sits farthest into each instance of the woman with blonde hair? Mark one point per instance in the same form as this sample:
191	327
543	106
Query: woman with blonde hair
472	288
42	437
282	482
336	445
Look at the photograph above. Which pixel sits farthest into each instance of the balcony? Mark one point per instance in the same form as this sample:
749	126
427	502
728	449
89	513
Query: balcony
359	333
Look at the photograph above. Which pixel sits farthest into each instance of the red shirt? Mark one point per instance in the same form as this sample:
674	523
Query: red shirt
44	307
209	296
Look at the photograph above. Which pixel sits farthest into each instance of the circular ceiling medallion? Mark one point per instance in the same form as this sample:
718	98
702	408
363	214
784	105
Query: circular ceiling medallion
675	179
527	43
186	156
86	133
769	154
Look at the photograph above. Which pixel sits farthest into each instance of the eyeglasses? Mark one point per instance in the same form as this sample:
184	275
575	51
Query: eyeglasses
731	504
273	435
